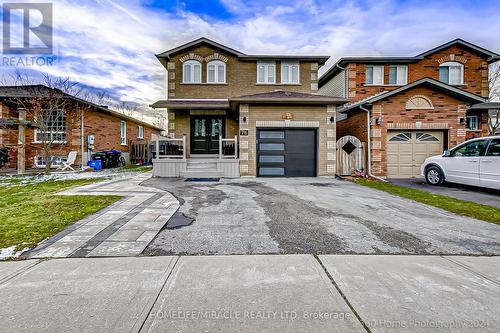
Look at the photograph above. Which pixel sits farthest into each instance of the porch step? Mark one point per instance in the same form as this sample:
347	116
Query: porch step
201	165
202	174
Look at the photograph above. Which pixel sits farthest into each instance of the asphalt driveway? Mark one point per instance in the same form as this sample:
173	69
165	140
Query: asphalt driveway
479	195
312	215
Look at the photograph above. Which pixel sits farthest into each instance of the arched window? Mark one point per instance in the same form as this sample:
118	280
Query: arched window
451	72
191	72
216	72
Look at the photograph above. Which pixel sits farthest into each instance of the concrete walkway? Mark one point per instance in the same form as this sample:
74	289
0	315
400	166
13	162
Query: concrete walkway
271	293
122	229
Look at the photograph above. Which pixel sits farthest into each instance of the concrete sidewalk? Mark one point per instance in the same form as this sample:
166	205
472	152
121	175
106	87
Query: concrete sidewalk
122	229
272	293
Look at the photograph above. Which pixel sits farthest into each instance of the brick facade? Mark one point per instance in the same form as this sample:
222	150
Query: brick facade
445	116
241	76
105	127
475	73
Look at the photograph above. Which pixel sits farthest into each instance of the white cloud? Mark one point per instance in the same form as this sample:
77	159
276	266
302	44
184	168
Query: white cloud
110	44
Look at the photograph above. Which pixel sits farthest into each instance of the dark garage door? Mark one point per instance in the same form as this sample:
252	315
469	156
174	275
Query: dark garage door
286	153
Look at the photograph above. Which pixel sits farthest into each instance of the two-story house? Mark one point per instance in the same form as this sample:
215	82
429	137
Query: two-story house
409	108
264	111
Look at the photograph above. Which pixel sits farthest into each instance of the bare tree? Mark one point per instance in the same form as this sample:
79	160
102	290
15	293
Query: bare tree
46	107
494	85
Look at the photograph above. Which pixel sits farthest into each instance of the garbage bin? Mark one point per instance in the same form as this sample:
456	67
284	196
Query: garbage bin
95	164
101	156
113	157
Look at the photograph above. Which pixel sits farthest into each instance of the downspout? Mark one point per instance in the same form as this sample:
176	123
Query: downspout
369	158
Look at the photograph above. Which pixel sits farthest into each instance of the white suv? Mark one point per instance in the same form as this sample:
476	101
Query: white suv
475	162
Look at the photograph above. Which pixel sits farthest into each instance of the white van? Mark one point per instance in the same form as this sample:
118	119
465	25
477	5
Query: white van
475	162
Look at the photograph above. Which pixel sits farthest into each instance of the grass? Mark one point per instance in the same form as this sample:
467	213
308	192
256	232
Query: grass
30	213
460	207
141	168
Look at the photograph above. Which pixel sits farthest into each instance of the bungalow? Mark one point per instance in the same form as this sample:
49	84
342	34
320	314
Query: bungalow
35	116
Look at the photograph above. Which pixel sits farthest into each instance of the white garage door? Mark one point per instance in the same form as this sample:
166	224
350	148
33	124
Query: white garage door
407	150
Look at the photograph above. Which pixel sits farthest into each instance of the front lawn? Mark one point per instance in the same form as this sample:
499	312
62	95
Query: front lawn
460	207
30	213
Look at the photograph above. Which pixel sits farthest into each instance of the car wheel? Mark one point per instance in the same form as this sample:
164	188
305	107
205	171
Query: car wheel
434	176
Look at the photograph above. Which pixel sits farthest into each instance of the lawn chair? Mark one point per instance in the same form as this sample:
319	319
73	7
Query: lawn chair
69	162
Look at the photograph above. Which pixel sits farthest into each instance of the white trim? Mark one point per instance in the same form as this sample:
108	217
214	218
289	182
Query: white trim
398	68
454	64
267	65
123	132
191	64
139	135
477	123
216	64
373	83
290	65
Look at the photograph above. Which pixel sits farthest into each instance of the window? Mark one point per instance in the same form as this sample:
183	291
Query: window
191	72
272	159
272	146
494	148
140	132
471	124
374	75
52	127
216	72
266	72
272	171
406	136
451	73
272	135
123	132
426	137
290	72
471	149
398	75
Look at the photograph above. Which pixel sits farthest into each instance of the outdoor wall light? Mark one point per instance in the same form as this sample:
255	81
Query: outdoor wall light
462	121
332	119
378	121
244	120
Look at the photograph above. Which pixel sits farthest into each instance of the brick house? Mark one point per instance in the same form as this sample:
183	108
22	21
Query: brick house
110	129
233	114
415	106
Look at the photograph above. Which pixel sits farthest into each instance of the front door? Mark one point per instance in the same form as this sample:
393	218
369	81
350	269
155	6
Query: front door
205	132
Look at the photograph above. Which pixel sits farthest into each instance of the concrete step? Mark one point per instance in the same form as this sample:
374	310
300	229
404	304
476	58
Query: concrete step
201	166
201	174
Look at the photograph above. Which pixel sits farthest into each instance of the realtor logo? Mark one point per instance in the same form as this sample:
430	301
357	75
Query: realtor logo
27	28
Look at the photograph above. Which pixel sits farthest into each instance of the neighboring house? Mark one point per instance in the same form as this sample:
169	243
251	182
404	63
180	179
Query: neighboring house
110	129
416	106
268	105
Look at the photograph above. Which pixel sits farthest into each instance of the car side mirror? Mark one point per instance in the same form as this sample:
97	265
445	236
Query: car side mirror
447	153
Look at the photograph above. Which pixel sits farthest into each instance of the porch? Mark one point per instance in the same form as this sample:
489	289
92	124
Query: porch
174	159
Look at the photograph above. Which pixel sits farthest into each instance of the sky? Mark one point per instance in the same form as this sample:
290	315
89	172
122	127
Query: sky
109	45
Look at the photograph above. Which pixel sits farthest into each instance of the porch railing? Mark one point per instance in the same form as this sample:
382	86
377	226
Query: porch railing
228	148
164	147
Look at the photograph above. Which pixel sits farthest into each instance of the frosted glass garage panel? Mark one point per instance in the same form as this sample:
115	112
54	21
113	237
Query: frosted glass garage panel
272	135
272	146
272	159
272	171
